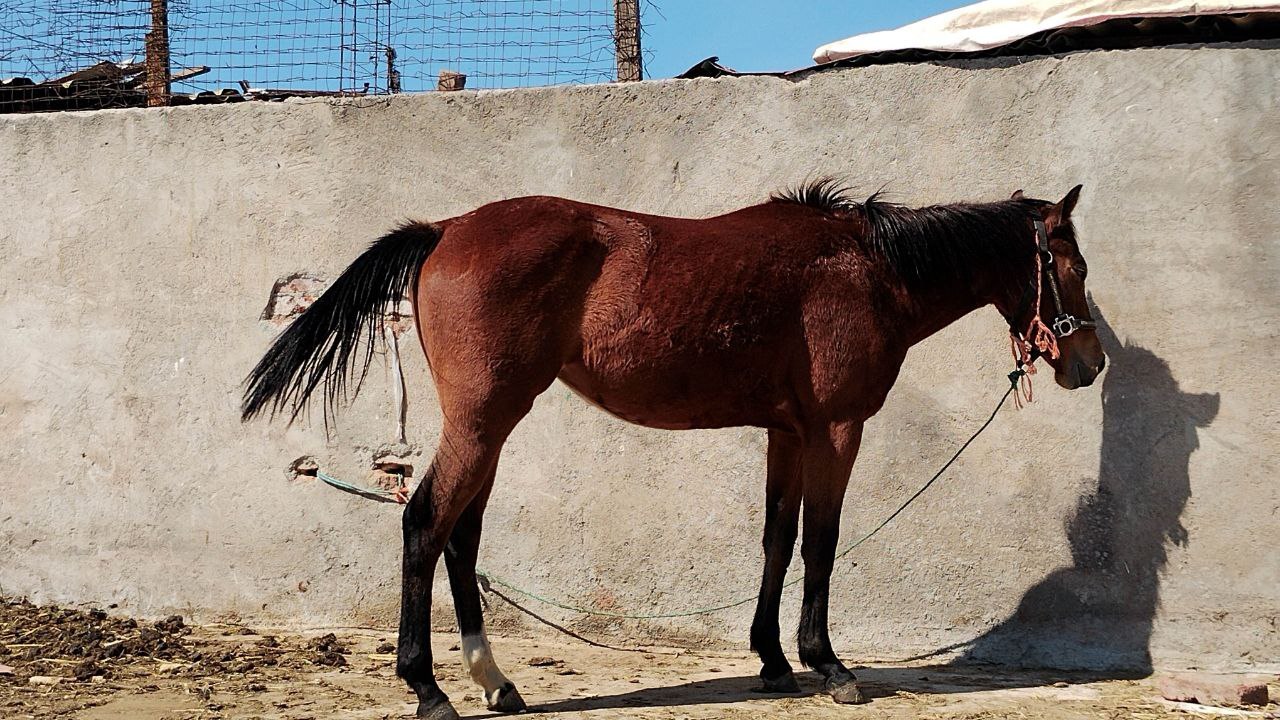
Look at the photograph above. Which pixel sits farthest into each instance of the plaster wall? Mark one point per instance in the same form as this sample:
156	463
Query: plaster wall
1129	523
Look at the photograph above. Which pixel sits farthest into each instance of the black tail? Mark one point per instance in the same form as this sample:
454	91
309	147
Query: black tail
320	345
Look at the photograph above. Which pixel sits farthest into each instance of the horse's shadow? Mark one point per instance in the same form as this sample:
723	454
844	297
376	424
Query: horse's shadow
876	682
1097	612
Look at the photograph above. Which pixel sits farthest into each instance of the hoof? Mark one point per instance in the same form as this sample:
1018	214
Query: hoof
507	699
441	710
785	683
845	691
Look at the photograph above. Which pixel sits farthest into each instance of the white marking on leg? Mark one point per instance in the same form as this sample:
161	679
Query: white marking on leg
477	659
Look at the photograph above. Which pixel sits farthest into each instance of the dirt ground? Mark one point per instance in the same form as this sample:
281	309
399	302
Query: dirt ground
59	663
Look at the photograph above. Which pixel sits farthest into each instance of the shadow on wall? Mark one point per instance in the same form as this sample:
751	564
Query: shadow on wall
1096	614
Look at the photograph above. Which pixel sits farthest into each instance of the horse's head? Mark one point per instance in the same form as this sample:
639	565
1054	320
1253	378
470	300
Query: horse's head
1063	305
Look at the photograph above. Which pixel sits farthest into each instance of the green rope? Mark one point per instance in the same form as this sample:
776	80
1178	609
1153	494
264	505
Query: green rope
488	577
365	492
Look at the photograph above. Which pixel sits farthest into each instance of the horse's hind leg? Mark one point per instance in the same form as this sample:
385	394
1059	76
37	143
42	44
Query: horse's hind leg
480	406
782	511
460	558
499	311
826	466
462	469
454	478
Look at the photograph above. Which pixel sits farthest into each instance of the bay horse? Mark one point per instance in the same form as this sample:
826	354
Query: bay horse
793	315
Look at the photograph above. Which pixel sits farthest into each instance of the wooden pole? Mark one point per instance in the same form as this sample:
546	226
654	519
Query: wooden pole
626	34
393	75
158	55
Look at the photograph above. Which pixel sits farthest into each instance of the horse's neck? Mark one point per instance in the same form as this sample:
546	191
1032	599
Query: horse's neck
924	310
984	237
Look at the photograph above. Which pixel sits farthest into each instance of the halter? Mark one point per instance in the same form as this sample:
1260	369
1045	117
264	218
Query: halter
1064	323
1040	339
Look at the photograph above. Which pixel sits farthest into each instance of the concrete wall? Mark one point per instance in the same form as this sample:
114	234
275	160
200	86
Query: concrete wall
139	248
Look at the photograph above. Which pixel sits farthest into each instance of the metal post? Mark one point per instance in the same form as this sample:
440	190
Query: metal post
157	46
626	35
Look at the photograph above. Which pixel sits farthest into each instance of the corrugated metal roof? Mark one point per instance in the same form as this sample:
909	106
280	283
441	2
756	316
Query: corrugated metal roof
993	24
108	85
1114	34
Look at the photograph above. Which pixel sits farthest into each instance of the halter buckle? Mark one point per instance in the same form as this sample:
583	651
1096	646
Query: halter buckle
1065	325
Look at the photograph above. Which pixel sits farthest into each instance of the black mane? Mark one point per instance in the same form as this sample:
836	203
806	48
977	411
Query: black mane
935	242
826	193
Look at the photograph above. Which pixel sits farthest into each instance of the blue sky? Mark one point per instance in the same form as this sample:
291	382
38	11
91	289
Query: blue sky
766	34
299	43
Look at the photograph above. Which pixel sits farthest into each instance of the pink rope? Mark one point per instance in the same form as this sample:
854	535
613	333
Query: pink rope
1037	336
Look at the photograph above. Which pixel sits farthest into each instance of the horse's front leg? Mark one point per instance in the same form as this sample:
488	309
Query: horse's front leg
781	515
826	465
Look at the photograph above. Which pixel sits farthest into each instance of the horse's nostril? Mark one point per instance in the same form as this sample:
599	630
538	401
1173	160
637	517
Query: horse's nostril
1084	378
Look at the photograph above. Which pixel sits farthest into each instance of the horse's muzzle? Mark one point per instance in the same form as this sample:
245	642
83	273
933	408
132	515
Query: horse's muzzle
1080	375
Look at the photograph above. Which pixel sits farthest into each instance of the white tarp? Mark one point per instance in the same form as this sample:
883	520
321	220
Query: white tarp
993	23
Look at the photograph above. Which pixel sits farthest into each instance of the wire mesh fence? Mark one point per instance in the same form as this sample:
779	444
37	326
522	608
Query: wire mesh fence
341	46
42	39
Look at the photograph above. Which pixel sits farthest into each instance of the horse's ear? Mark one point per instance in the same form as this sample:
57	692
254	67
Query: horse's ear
1017	195
1068	203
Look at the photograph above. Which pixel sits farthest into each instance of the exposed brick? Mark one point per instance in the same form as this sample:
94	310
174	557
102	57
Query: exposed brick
451	80
290	296
1212	689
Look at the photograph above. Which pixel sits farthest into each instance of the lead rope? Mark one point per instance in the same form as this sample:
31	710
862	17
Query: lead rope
1038	337
487	578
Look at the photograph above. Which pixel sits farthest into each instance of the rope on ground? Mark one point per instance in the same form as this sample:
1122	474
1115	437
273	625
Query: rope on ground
487	577
369	493
486	587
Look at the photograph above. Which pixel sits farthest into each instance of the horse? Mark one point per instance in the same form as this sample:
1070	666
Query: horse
793	315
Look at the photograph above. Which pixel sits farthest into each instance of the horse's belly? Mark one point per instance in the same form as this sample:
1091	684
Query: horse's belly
672	403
